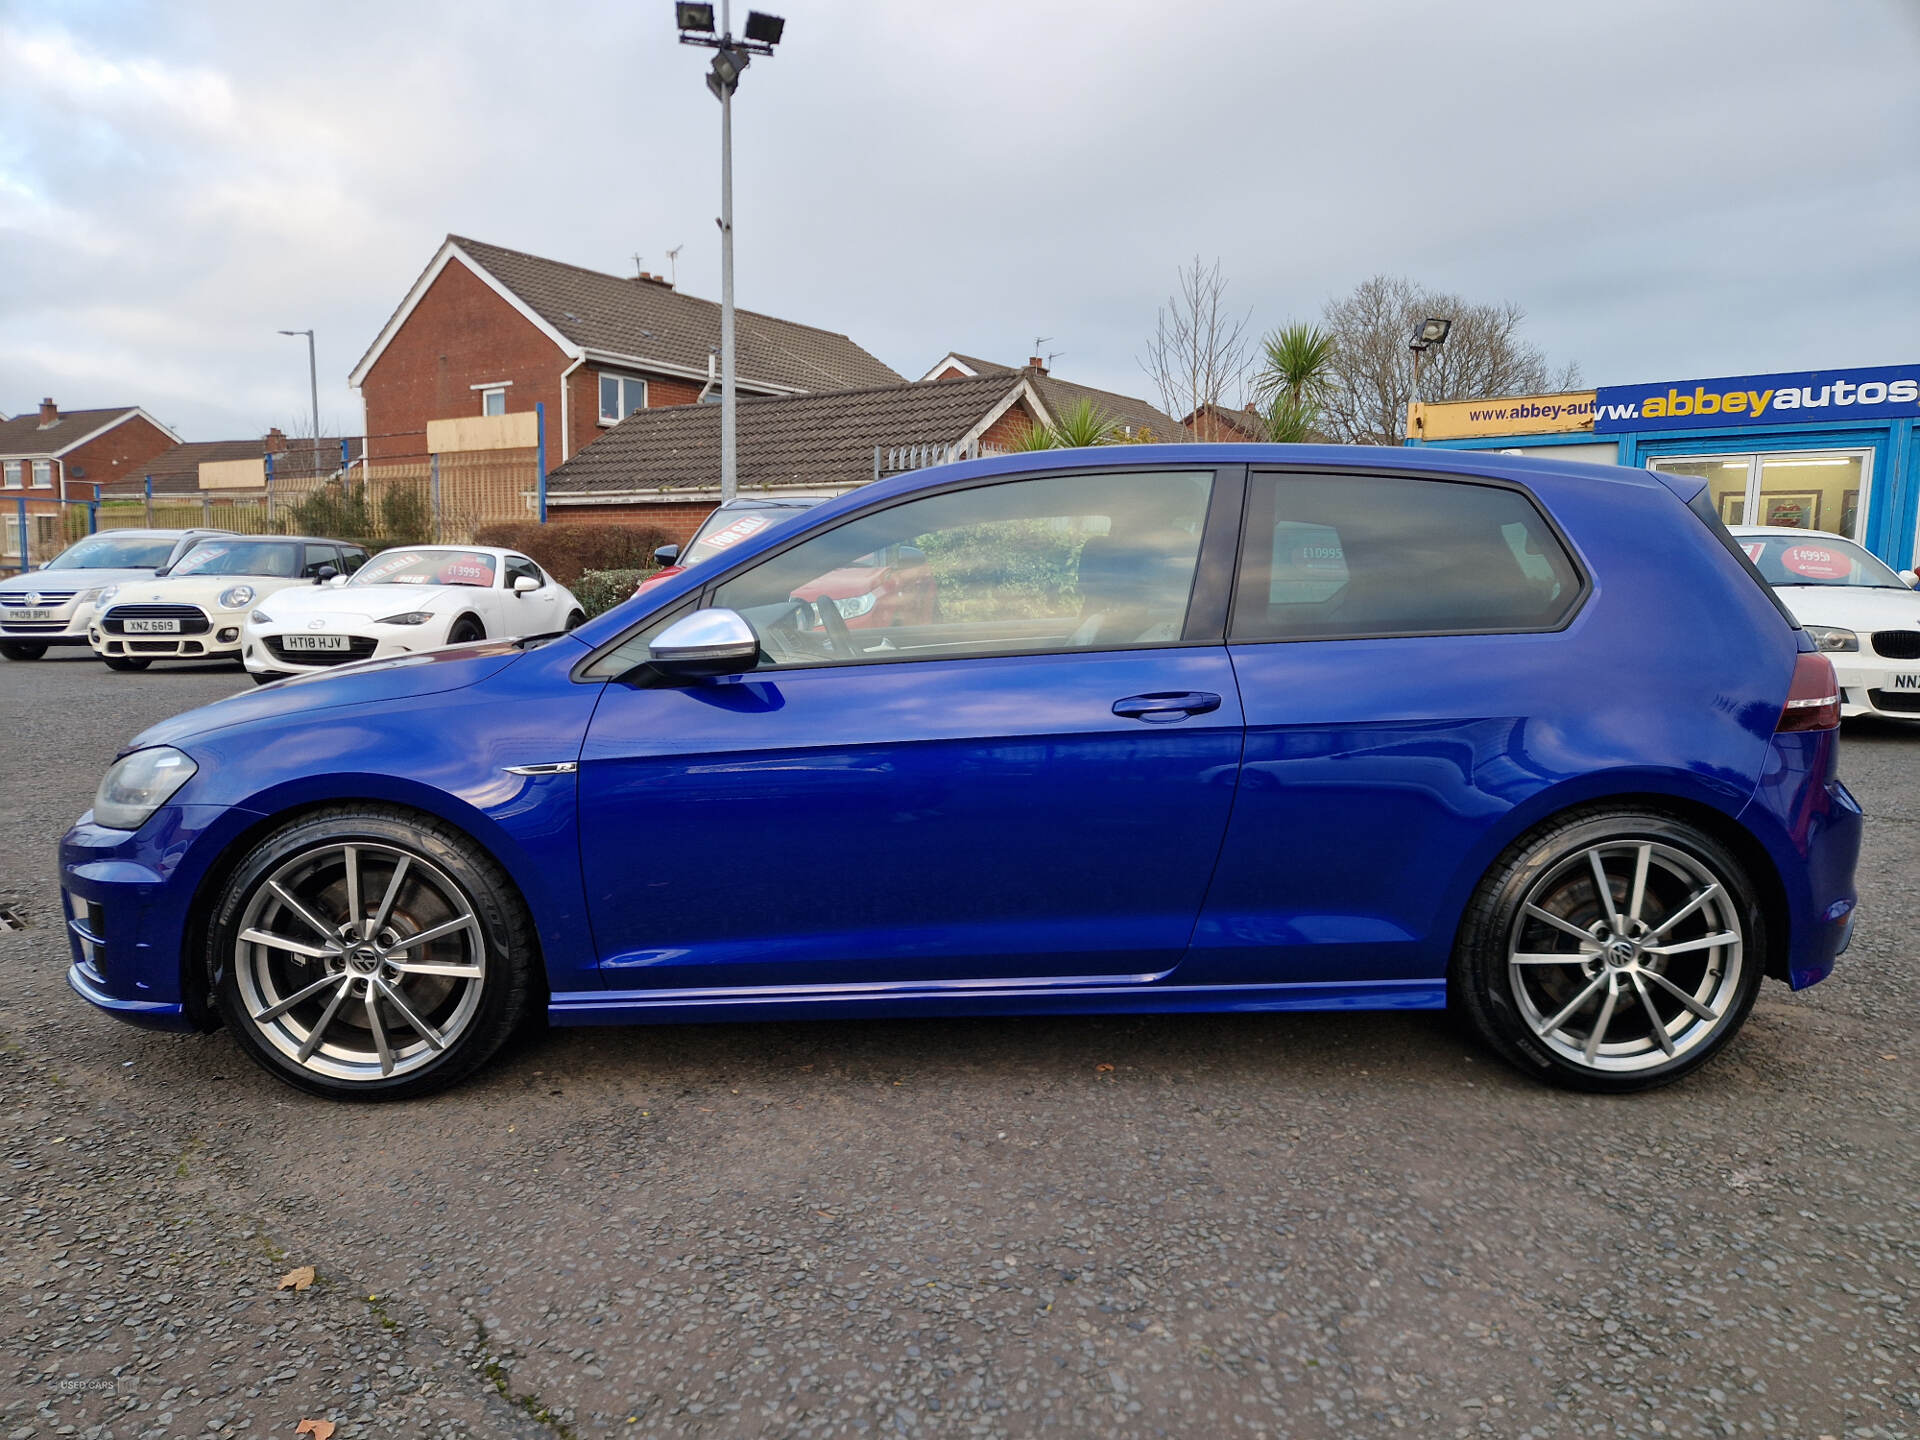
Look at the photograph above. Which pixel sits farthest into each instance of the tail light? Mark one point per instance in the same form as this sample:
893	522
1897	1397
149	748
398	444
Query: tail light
1813	700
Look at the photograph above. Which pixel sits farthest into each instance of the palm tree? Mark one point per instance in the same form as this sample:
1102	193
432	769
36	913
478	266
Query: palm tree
1297	362
1080	424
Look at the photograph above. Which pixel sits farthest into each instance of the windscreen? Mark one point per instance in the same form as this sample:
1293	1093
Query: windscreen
279	559
725	529
1816	560
115	552
427	567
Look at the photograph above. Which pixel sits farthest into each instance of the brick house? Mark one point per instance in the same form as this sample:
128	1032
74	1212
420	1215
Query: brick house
1227	425
491	331
56	455
661	467
176	471
1136	417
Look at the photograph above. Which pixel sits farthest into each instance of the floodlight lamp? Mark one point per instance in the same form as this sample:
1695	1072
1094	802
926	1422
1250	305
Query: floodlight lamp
693	18
1431	331
727	65
764	29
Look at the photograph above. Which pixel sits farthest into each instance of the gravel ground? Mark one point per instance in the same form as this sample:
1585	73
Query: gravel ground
1289	1225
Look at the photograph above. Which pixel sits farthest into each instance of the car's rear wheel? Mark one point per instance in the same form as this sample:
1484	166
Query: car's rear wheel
22	650
125	662
1611	951
371	954
576	619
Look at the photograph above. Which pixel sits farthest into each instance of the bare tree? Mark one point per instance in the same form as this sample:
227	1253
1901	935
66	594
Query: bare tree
1198	353
1371	380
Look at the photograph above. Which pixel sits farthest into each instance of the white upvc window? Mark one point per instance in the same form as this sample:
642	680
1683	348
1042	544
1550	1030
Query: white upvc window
43	474
11	475
494	401
620	396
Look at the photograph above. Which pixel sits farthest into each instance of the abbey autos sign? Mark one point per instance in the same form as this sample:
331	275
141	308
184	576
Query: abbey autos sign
1886	392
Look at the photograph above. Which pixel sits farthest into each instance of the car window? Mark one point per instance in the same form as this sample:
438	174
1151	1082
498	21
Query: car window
1352	555
277	558
1062	562
725	529
320	557
1815	560
428	567
115	552
354	556
518	565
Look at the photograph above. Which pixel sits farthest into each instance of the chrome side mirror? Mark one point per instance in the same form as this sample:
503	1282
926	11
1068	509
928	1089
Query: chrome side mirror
707	642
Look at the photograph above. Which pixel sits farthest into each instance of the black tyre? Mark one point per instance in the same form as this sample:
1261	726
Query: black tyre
576	619
26	650
465	631
125	662
368	953
1618	986
264	677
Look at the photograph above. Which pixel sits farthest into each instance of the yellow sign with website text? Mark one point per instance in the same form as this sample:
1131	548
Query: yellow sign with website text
1561	414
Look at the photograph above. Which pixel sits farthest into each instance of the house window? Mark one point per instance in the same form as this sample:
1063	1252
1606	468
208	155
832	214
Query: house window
620	396
43	474
12	480
493	402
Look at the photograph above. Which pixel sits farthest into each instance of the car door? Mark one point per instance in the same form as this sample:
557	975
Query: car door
1028	780
536	612
1401	650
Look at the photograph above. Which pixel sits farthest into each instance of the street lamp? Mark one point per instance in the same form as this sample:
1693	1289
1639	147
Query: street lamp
313	384
1429	334
730	58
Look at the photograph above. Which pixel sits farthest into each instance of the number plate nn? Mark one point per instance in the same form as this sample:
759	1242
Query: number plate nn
1904	682
152	627
24	615
316	642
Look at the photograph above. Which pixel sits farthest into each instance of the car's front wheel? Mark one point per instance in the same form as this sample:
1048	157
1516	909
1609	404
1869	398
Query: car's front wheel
21	650
365	953
125	662
1612	950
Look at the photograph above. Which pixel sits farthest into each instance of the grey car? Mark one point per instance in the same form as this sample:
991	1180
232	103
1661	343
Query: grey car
53	604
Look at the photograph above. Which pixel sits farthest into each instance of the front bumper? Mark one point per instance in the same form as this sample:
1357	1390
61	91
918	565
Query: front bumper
264	650
1873	685
128	900
67	625
219	641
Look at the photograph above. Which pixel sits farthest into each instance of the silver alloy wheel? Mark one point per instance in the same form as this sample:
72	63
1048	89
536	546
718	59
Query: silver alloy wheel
359	961
1626	955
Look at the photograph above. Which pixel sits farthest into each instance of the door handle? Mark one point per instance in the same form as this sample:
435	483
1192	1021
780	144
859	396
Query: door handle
1165	707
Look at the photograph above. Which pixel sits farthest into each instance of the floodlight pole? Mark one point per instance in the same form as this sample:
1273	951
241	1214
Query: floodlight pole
313	383
729	453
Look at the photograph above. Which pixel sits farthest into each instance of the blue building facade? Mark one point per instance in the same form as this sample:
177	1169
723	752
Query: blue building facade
1834	450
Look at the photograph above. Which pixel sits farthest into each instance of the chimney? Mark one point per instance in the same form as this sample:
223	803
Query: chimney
652	279
49	413
1034	362
275	441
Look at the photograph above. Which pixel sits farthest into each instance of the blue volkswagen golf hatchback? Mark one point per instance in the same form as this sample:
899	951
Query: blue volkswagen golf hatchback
1184	728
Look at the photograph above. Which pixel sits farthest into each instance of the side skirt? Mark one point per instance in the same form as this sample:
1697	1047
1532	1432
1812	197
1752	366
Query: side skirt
658	1007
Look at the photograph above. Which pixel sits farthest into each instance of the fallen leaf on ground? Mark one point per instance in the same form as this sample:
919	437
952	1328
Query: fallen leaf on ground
301	1279
1103	1066
319	1429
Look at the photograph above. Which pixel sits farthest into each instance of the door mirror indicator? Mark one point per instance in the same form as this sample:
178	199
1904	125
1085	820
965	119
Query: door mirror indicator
707	642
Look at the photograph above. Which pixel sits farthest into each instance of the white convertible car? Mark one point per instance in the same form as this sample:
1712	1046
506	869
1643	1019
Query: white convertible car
194	609
1862	616
420	597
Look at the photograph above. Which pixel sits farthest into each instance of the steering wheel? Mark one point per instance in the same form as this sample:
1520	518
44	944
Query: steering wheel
835	624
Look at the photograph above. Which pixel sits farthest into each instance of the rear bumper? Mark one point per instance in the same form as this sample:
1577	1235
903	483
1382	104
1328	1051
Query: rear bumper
1811	826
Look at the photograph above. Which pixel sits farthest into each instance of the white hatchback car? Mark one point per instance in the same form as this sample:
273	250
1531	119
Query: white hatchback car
54	605
417	597
194	609
1863	616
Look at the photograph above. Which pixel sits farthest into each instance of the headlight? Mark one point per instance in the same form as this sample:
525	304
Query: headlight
856	605
1829	639
88	597
260	617
412	617
236	597
139	784
105	593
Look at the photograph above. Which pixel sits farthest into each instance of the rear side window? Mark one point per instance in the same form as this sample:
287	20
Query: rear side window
1346	556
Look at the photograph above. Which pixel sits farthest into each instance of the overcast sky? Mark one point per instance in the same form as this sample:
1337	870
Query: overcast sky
1671	190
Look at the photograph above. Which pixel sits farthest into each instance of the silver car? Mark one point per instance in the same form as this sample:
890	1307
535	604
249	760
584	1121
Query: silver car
53	604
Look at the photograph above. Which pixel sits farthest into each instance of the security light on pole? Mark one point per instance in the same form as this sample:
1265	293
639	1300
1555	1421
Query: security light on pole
730	59
1429	334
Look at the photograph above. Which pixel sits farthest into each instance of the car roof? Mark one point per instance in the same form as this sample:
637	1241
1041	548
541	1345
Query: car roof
1789	530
